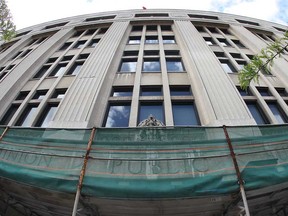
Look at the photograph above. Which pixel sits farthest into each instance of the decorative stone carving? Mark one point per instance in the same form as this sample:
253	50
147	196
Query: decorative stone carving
151	121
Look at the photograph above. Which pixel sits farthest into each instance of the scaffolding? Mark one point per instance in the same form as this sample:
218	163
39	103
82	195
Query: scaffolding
146	163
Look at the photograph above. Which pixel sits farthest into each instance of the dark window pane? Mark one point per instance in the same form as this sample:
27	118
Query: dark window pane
257	114
40	94
22	95
185	114
118	115
151	28
59	93
26	118
278	113
74	70
281	91
151	39
155	109
79	44
238	43
47	116
122	92
9	114
128	66
209	41
151	66
228	67
168	40
42	71
174	65
180	91
223	42
65	46
264	91
67	58
58	71
134	40
93	43
151	91
244	92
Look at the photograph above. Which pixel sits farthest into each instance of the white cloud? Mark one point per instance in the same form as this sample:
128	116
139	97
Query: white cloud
31	12
265	10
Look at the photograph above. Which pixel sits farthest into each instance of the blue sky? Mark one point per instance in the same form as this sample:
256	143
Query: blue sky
30	12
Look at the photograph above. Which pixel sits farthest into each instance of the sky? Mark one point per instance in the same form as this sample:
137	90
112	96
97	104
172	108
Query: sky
31	12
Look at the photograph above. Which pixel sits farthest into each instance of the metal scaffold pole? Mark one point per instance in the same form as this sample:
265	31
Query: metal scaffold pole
82	173
4	132
239	177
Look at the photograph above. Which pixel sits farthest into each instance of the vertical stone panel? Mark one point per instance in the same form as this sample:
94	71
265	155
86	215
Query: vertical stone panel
19	76
80	99
224	100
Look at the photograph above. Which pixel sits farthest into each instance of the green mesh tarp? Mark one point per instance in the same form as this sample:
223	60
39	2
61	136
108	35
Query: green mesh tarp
146	162
157	163
262	154
50	159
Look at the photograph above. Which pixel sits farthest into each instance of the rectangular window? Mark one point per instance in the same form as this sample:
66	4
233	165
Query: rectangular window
209	41
185	114
42	71
51	60
74	70
67	58
27	116
59	93
241	64
65	46
151	39
122	91
169	40
166	28
154	109
128	65
227	66
118	115
40	94
151	65
47	115
281	91
151	27
137	28
22	95
180	91
152	15
223	42
79	44
244	92
238	44
130	53
9	114
199	16
174	65
93	42
278	112
257	113
134	40
58	71
83	56
151	91
247	22
264	91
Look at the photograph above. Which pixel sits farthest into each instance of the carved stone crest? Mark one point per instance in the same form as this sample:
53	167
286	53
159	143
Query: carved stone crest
151	121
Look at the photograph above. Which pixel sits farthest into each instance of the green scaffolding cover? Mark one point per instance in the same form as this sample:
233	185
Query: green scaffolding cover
146	162
45	158
159	163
